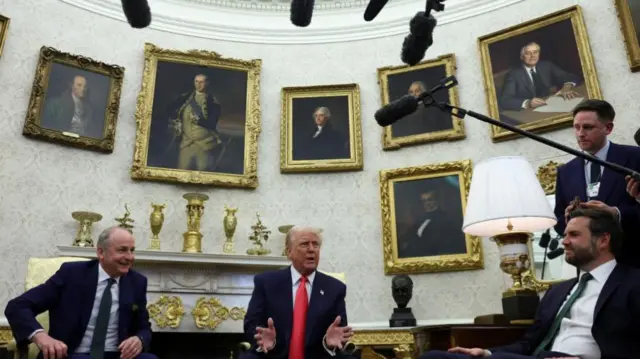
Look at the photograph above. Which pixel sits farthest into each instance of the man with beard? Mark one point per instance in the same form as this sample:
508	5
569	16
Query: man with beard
590	317
97	309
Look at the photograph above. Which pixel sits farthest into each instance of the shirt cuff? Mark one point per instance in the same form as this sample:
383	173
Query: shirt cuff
618	215
570	83
487	353
525	104
324	344
259	350
35	332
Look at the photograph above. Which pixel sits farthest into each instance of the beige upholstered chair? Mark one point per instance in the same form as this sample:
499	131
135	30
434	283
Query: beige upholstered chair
38	271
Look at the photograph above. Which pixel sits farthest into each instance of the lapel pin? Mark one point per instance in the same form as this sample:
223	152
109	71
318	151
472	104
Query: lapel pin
321	292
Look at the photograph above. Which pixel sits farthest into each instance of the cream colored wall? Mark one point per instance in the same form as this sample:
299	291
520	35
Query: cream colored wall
42	183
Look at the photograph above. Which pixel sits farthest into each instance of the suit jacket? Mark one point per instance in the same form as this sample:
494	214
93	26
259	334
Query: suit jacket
571	183
69	295
518	86
441	236
273	298
60	111
209	119
328	145
615	320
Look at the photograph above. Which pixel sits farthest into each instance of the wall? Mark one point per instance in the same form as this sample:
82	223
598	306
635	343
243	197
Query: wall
42	183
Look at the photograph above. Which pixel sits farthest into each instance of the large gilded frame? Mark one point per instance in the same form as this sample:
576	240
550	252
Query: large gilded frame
573	13
547	174
140	170
4	31
32	128
631	41
472	259
354	163
457	133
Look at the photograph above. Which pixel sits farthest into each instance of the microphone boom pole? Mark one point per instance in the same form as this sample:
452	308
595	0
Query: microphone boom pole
428	100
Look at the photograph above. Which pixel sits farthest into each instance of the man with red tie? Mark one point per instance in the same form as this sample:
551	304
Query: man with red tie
297	312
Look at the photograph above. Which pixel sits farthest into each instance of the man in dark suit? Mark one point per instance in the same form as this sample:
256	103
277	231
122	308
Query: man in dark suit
594	317
324	142
97	309
528	85
297	312
596	186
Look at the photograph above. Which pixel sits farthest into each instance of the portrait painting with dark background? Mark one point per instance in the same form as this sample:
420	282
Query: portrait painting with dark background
410	214
303	122
61	79
398	86
634	6
229	87
558	44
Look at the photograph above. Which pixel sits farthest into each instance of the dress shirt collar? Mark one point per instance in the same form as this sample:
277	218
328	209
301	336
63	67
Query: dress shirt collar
295	276
602	153
602	272
103	276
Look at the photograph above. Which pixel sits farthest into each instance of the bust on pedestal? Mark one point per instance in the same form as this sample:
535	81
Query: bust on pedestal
402	291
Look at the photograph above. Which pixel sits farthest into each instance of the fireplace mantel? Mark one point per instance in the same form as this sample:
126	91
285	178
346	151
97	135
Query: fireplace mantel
195	292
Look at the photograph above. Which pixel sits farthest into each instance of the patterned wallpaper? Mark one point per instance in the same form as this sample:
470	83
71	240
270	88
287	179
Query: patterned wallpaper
42	183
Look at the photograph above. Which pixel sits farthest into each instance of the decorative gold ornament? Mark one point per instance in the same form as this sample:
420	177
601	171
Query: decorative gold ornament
514	260
126	220
195	209
259	237
86	219
285	230
166	311
209	313
156	219
547	174
229	222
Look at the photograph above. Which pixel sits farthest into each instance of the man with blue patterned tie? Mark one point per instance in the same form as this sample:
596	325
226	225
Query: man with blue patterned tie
593	317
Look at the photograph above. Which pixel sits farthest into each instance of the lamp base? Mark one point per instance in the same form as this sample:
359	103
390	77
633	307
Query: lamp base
520	305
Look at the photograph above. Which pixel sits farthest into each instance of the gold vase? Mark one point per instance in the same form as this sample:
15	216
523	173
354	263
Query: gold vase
195	208
156	219
229	223
86	219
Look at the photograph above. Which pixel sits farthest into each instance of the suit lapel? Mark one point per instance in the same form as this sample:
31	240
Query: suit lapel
607	290
314	305
88	294
607	183
527	80
125	303
580	181
563	293
287	287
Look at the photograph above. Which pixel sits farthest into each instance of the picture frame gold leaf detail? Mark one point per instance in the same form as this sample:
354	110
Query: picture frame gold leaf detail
4	31
629	32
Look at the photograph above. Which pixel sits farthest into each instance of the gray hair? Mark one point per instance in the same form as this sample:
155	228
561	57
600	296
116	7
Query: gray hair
419	83
324	110
103	238
295	230
527	45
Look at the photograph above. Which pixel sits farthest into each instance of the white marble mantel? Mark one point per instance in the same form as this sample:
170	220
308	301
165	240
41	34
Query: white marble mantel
227	278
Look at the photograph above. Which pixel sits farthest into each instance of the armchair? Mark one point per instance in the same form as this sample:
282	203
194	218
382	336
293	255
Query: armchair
38	271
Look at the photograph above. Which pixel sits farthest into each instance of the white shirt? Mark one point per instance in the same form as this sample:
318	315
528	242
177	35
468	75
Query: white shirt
318	132
295	279
574	336
422	227
601	154
111	345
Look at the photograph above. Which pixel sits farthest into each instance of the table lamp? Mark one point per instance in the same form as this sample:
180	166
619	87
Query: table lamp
507	203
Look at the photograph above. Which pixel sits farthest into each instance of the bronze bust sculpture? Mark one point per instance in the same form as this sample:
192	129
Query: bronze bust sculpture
637	137
402	291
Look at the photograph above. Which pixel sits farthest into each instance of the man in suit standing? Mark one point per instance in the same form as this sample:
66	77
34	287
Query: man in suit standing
596	186
97	309
297	312
593	317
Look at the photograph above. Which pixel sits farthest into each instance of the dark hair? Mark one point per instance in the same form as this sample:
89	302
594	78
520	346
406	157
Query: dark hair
601	107
601	222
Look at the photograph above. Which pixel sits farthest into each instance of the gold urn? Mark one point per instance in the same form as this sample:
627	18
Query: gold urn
230	222
86	219
156	219
195	209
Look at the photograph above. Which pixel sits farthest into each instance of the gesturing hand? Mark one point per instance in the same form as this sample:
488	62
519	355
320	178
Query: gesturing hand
474	352
50	348
633	187
337	336
130	348
266	337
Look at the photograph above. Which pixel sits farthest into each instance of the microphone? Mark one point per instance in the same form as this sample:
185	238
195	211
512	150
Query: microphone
544	239
137	12
301	12
553	244
420	35
555	253
373	9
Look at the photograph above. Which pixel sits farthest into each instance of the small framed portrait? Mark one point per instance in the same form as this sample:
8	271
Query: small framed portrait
198	118
535	73
4	30
74	100
422	215
427	124
320	129
629	15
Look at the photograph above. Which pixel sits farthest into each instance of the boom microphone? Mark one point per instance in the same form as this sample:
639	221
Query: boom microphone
553	244
555	253
301	12
544	239
373	9
396	110
137	12
420	37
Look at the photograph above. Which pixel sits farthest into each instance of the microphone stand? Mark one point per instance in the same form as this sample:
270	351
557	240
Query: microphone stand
544	262
428	100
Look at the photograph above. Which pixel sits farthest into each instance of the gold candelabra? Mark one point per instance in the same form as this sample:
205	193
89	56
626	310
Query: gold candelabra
259	236
86	219
195	209
229	223
156	219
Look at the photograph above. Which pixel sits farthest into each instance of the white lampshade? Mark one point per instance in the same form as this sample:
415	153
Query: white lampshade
505	190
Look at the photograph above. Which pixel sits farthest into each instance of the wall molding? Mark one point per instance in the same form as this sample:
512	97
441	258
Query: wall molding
269	27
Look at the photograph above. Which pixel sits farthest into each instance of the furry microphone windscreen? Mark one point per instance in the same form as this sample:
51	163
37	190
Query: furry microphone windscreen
420	38
137	12
301	12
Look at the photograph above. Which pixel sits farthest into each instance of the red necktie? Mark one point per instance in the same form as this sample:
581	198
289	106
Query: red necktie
296	346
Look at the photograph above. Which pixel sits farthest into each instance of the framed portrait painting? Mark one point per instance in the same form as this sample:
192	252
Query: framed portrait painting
427	124
535	73
320	129
629	15
422	215
198	117
74	100
4	30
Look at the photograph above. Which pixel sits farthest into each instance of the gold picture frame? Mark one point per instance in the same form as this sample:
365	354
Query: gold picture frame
4	31
391	181
187	67
48	115
302	144
441	67
550	30
628	27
